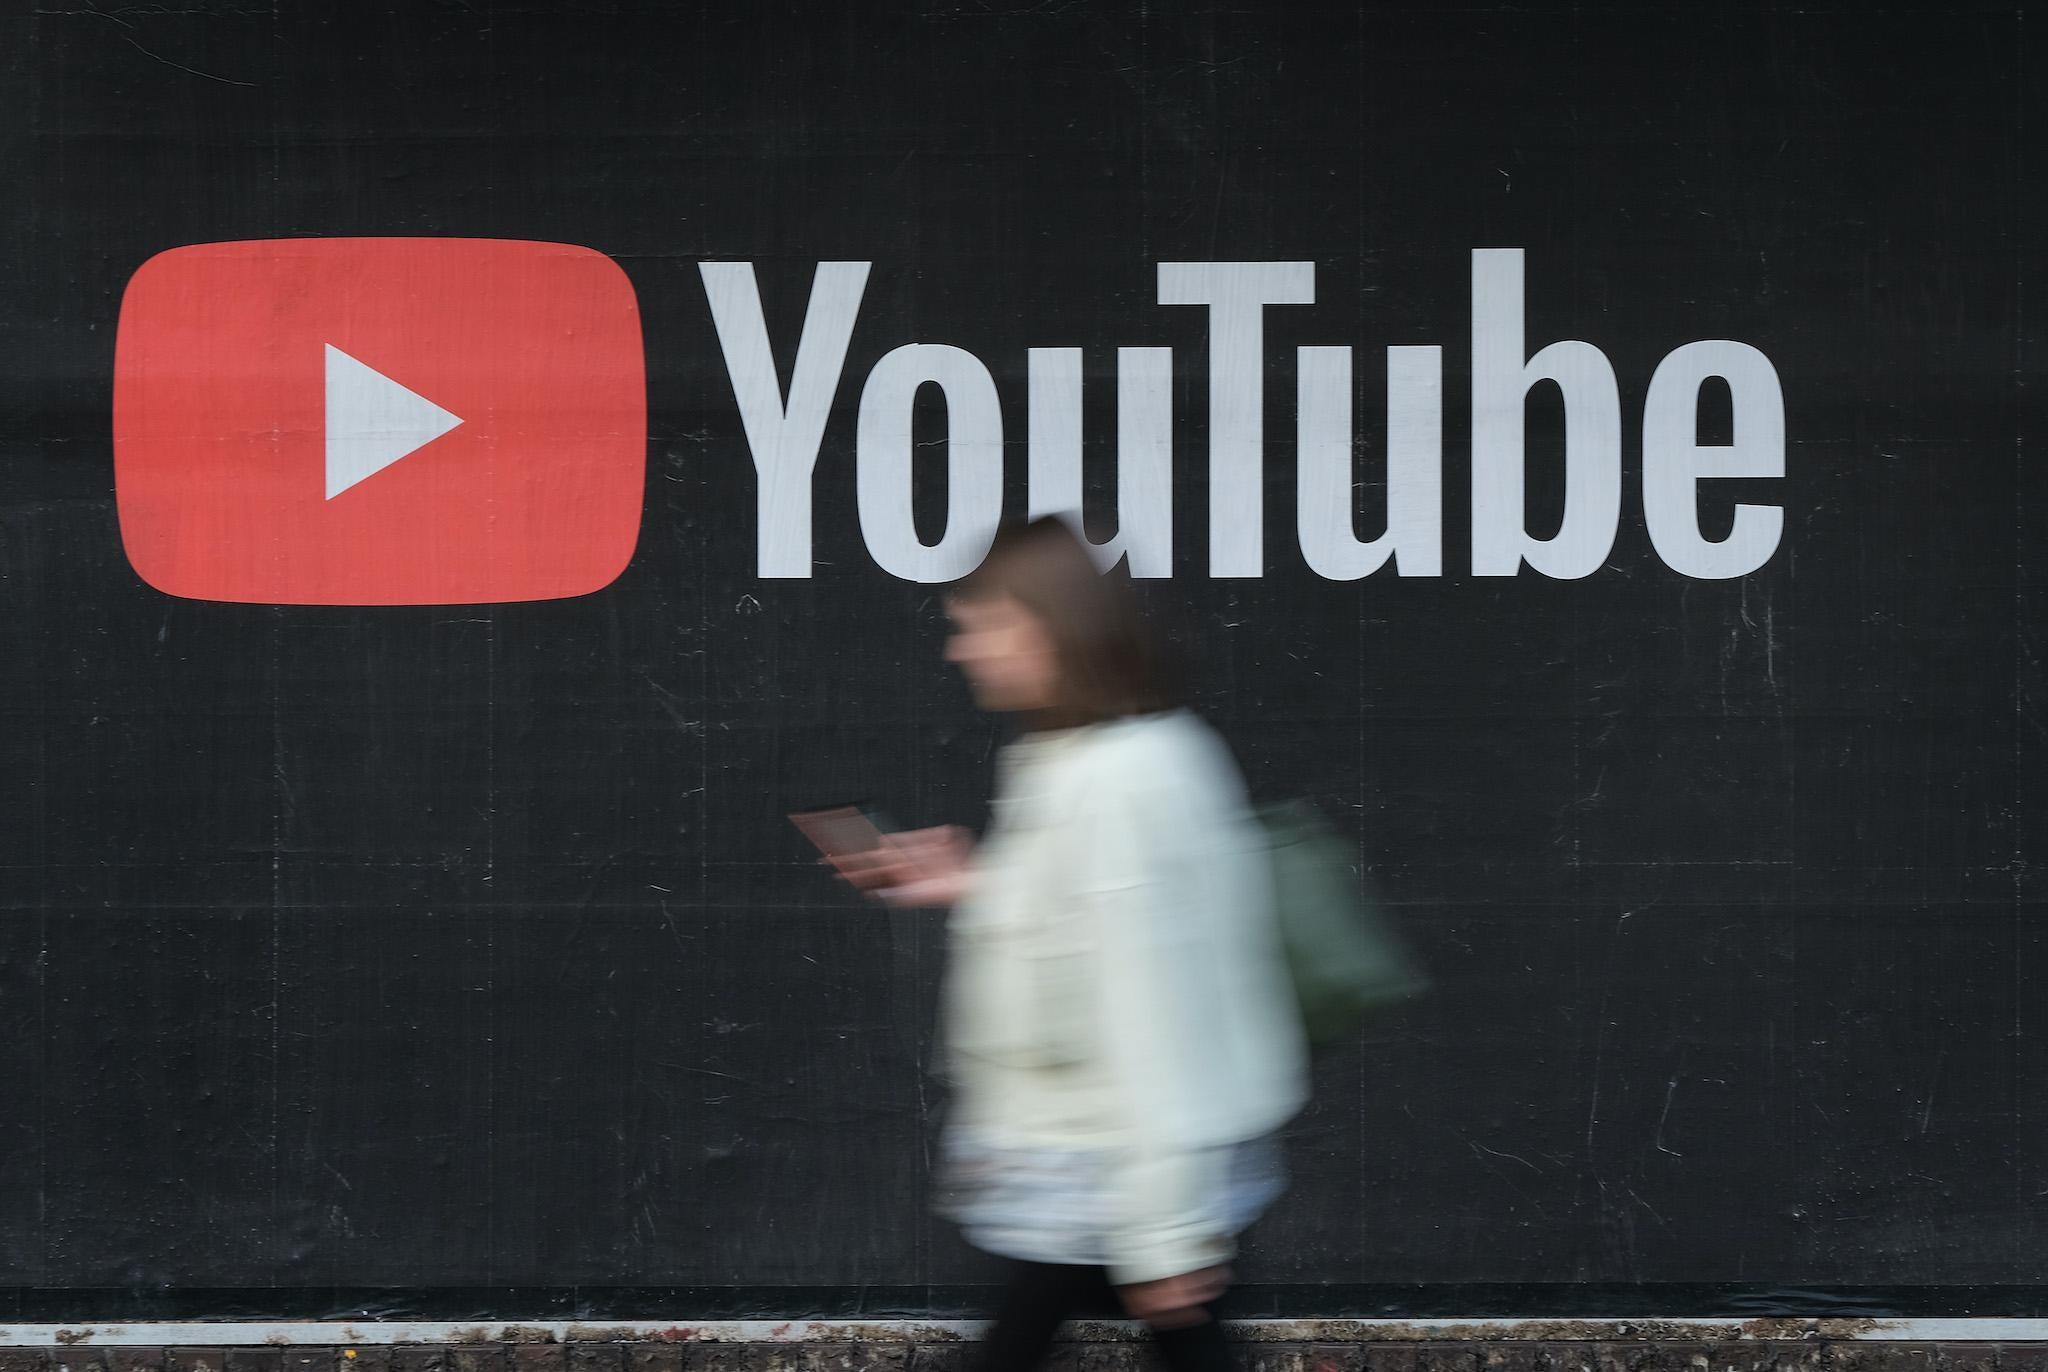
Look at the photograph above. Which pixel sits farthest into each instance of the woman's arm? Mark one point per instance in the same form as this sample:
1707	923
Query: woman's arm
919	868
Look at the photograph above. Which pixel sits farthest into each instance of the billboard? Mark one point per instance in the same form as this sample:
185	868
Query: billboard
466	472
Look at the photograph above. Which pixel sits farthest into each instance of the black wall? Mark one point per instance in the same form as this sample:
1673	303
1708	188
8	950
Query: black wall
458	959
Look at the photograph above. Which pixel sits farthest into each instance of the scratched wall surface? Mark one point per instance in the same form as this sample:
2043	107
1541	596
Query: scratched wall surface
459	959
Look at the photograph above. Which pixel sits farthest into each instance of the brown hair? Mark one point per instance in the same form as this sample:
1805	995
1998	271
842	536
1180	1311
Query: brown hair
1110	663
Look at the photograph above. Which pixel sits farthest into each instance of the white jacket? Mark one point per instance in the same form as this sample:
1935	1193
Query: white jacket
1115	978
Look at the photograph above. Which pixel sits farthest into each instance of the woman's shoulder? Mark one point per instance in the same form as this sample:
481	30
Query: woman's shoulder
1170	750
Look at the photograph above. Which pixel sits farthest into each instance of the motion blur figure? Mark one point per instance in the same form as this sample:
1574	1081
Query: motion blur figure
1119	1029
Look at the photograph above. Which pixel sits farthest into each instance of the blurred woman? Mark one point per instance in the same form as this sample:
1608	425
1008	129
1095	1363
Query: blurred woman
1118	1025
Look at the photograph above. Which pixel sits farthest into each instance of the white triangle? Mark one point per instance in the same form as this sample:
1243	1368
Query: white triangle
372	421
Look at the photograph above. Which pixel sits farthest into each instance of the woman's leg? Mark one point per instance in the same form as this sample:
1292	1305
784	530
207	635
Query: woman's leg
1040	1296
1196	1347
1037	1299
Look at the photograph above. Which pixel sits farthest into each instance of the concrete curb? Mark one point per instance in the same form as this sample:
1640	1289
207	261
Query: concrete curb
373	1333
1124	1355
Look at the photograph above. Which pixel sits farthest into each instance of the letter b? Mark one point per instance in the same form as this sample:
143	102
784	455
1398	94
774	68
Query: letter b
1592	452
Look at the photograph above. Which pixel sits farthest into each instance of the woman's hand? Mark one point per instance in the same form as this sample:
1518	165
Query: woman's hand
912	867
1175	1302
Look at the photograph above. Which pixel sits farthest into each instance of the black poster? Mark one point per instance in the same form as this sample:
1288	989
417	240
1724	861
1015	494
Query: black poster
467	470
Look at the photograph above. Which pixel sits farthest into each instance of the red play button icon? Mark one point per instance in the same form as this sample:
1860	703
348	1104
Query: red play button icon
379	421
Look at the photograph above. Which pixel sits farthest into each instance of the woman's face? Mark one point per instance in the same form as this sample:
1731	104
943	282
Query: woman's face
1005	653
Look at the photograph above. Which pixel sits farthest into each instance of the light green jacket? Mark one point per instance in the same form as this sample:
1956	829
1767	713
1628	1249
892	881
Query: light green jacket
1116	980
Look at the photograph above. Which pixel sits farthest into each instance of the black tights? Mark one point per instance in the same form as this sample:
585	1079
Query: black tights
1041	1295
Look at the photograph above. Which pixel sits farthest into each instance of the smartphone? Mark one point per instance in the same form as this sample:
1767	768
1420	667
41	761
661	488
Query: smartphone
841	830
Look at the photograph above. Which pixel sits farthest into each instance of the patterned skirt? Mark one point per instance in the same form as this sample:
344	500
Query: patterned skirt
1052	1204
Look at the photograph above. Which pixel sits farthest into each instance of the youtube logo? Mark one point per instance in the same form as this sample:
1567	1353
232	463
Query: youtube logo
379	421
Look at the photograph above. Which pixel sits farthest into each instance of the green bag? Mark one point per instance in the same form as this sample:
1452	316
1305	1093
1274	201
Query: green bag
1342	951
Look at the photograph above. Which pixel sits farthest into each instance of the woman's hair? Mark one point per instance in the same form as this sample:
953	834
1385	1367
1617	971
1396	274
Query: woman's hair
1109	662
